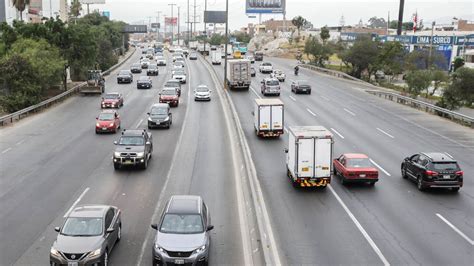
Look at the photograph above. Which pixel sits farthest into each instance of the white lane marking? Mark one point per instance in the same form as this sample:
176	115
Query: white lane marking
168	175
359	226
128	93
380	167
349	111
20	142
339	134
76	202
139	123
293	98
256	93
385	133
449	155
311	112
325	98
470	241
6	150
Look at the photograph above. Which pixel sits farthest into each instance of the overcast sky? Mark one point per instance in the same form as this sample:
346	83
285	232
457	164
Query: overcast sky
319	12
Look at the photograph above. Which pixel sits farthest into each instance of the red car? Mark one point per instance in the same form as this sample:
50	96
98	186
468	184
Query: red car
170	96
355	167
107	121
112	100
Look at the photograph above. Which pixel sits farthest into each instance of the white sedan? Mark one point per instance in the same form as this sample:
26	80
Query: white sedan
202	93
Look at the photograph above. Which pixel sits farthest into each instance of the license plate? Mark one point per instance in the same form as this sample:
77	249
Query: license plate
72	263
305	169
304	89
446	176
180	261
363	175
104	128
127	162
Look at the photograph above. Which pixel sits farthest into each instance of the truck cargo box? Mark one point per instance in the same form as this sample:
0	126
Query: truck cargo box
269	117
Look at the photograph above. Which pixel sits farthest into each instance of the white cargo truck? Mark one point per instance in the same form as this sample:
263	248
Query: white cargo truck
269	117
238	73
216	57
309	156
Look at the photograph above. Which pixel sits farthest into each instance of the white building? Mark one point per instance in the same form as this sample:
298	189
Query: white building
8	12
48	8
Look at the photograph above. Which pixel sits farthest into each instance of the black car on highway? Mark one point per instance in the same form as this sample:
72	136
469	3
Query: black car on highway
183	232
160	116
144	82
87	237
152	70
136	68
124	76
300	86
433	169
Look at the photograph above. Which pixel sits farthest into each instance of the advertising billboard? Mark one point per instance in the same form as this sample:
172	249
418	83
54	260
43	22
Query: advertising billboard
214	16
265	6
92	1
35	7
135	29
171	20
155	25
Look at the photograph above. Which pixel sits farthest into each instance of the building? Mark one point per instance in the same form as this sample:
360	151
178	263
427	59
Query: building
8	12
464	25
278	25
35	11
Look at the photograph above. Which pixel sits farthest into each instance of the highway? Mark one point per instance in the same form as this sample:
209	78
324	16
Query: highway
391	223
53	161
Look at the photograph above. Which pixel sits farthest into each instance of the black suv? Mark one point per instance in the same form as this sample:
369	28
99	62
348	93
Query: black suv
433	169
160	116
152	70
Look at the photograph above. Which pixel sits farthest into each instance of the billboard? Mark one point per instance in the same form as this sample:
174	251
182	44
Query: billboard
92	1
105	14
171	20
135	29
155	25
35	7
214	16
265	6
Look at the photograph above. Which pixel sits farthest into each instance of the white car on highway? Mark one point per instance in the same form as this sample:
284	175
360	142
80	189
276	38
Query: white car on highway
202	93
180	75
278	74
265	67
160	60
178	65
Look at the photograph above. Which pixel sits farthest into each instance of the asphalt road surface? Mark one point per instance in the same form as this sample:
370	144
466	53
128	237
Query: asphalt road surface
53	160
391	223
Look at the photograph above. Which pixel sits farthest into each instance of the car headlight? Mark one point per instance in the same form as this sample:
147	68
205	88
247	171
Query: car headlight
116	154
55	252
111	124
140	154
160	249
149	119
95	253
200	250
167	118
97	124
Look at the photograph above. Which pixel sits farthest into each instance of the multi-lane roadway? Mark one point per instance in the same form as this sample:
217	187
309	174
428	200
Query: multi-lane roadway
53	161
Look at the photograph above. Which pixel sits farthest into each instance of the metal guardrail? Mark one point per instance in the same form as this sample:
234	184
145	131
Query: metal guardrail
51	101
427	107
335	73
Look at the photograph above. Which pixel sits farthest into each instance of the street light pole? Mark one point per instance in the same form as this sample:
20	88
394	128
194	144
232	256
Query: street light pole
431	42
189	30
226	41
205	31
400	17
178	25
172	26
158	28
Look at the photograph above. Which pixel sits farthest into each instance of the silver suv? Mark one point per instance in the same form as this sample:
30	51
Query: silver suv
270	86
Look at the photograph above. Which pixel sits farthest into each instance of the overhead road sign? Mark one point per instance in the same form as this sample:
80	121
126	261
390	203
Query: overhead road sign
155	25
265	6
135	29
214	16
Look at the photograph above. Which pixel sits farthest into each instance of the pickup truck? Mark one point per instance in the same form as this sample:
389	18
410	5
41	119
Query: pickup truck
134	148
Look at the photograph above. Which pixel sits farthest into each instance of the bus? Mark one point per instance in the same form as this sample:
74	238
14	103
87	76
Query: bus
242	47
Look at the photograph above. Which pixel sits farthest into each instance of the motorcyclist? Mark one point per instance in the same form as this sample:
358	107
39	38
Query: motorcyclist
297	68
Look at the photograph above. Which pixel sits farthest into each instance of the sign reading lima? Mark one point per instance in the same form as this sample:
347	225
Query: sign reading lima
411	39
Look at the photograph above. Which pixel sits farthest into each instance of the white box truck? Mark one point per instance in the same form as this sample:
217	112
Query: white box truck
216	57
309	156
269	117
238	73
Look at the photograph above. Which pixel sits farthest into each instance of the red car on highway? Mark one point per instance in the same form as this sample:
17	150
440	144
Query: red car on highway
112	100
107	121
170	96
355	167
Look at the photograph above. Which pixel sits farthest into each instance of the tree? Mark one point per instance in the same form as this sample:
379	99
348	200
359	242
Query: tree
458	62
362	56
390	58
375	22
217	39
420	59
299	22
75	9
242	37
463	84
324	34
438	77
418	81
20	5
316	52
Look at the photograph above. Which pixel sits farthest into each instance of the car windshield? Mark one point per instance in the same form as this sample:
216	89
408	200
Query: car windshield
153	67
272	82
303	83
358	163
202	89
135	65
168	92
179	72
172	84
123	72
131	140
160	58
111	96
278	72
159	111
266	64
182	224
445	166
82	226
106	116
143	78
178	64
193	54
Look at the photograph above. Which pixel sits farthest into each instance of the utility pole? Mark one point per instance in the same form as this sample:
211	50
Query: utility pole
172	26
158	28
87	9
178	24
431	42
189	30
205	31
194	18
226	41
400	17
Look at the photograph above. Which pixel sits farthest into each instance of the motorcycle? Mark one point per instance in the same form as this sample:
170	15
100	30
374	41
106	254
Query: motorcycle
296	72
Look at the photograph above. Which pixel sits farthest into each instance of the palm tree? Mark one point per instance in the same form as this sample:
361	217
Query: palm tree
299	22
76	9
20	5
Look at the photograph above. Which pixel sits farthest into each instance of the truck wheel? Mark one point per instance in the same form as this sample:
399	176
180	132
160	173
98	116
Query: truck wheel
116	166
419	184
404	172
145	164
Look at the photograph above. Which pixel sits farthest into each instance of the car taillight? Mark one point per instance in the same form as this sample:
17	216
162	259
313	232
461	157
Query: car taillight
460	173
431	173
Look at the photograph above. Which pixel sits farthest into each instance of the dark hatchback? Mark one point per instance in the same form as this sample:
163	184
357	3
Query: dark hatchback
183	234
160	116
152	70
124	76
144	82
301	86
87	236
433	169
136	68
